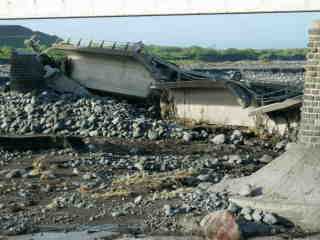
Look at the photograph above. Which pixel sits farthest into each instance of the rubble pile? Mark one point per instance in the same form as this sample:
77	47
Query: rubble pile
4	71
295	78
66	114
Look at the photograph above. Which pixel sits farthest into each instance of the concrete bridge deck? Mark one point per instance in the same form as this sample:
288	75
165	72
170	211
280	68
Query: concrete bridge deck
13	9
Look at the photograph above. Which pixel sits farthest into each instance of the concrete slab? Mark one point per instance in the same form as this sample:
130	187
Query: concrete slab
121	75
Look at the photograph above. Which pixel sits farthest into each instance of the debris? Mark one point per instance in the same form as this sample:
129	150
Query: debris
281	145
257	215
138	199
168	211
219	139
235	159
269	218
266	158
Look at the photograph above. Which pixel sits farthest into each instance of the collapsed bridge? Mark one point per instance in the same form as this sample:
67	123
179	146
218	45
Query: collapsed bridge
218	96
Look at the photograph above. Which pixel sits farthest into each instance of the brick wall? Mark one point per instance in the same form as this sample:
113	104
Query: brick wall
310	114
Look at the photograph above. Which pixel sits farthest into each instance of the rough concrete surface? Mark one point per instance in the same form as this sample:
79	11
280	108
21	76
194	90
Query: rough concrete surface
289	186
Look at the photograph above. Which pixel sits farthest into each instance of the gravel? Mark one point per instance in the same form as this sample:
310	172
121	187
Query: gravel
49	113
219	139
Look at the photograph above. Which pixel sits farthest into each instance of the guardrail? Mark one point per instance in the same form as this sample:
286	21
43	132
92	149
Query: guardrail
113	45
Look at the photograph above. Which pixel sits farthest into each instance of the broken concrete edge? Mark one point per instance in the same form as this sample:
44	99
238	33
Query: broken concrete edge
62	84
217	105
291	102
140	57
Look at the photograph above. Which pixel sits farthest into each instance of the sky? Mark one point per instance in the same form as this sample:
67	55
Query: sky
260	31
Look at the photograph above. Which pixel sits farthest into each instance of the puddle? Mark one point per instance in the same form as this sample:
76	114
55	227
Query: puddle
83	233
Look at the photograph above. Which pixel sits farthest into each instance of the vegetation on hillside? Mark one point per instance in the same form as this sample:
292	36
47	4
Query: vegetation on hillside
176	54
5	52
214	55
14	36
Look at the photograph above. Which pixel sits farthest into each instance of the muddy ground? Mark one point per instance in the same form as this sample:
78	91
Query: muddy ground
119	182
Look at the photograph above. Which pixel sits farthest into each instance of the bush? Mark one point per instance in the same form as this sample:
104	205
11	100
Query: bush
5	52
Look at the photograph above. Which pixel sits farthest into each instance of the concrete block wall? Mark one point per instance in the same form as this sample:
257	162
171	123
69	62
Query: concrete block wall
310	114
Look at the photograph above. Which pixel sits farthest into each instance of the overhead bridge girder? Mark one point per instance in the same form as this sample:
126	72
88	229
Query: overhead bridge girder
28	9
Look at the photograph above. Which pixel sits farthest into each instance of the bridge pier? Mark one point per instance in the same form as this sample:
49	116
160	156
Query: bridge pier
310	114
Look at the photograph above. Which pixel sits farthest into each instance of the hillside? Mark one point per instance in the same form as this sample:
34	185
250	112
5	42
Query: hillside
14	36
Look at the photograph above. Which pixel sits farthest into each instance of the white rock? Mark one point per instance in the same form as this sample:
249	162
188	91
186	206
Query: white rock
257	216
187	137
29	109
281	145
236	135
87	176
246	210
266	159
168	211
138	199
270	219
75	171
219	139
248	217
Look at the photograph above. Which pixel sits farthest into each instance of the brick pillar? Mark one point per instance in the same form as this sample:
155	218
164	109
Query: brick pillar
310	116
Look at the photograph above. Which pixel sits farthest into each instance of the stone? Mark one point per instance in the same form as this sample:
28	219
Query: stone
153	135
137	133
117	213
257	215
138	200
87	176
265	158
94	133
235	159
29	108
204	177
281	145
269	218
246	210
236	137
75	171
220	225
248	217
219	139
168	210
187	137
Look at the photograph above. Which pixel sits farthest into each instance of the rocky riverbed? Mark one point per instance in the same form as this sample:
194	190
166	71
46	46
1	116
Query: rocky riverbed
285	72
135	168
